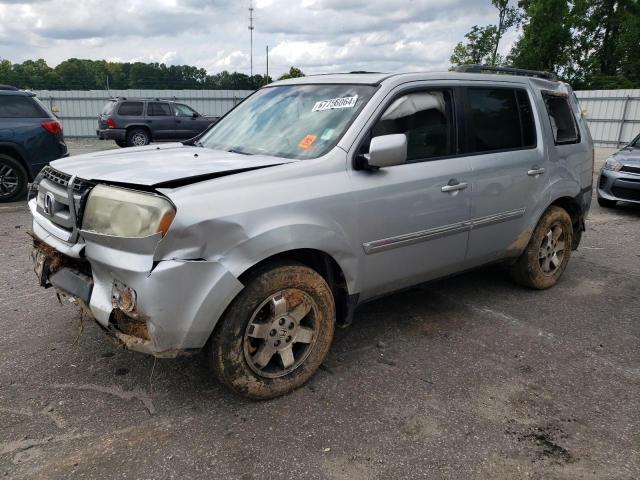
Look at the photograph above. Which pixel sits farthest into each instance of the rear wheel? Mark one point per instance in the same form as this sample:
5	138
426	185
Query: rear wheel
138	137
546	257
276	333
13	179
603	202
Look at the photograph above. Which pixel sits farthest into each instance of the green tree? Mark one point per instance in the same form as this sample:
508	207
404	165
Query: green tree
546	41
478	48
481	46
293	72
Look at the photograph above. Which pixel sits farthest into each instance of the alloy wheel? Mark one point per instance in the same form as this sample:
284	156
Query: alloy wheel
139	139
281	333
551	251
8	181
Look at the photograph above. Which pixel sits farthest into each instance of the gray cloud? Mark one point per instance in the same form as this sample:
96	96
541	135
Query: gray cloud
316	35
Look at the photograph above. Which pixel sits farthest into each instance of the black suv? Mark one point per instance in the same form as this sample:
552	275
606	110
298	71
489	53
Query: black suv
30	137
135	122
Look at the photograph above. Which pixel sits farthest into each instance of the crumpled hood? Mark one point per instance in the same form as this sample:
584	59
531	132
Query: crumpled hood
629	157
155	165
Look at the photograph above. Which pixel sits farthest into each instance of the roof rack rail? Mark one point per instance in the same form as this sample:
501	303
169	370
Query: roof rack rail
506	70
9	87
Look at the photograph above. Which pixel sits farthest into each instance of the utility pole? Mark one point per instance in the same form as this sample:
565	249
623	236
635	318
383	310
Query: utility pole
251	32
267	78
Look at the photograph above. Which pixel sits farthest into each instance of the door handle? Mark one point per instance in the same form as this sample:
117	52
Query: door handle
535	171
453	186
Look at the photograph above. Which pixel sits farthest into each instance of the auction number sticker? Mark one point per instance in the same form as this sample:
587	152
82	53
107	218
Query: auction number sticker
342	102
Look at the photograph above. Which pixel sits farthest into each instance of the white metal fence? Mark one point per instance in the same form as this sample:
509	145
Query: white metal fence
613	116
78	110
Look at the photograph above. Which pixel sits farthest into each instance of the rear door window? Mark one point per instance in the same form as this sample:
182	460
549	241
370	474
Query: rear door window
18	106
500	119
130	109
158	109
563	123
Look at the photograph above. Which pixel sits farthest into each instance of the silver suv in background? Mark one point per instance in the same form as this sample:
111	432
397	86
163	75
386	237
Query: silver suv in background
620	176
313	196
135	122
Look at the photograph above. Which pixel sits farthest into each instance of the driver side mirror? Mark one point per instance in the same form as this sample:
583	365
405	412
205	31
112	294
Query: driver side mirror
195	115
388	150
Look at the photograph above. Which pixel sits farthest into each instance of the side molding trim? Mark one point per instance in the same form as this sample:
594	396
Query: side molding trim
390	243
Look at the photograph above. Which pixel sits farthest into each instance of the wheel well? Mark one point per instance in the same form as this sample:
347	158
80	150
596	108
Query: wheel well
15	154
574	210
326	266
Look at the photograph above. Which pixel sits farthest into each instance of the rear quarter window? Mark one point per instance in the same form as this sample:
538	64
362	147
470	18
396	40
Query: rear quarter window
563	123
17	106
108	108
130	109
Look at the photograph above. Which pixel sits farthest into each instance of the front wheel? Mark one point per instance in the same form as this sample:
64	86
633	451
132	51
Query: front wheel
276	333
546	257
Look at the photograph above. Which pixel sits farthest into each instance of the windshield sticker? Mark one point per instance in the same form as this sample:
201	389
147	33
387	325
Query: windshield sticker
327	134
306	142
342	102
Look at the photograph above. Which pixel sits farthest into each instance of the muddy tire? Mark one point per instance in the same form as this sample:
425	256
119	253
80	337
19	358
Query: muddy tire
548	252
275	334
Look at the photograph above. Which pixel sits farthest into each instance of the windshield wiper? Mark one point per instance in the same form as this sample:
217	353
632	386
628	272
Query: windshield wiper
235	150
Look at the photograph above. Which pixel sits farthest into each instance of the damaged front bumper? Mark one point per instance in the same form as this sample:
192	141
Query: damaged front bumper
164	308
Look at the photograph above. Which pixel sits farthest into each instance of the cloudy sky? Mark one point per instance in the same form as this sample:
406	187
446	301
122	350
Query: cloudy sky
315	35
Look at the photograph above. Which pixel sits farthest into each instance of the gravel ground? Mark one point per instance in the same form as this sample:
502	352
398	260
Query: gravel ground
468	377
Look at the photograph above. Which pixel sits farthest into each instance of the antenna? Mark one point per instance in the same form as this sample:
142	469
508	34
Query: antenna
251	32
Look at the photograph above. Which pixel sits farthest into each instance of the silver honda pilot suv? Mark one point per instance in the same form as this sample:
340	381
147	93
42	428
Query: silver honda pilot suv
313	196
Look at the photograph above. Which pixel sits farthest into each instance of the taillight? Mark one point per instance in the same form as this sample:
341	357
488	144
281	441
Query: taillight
52	127
111	123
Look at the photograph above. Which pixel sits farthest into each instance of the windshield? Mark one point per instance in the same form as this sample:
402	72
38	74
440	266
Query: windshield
291	121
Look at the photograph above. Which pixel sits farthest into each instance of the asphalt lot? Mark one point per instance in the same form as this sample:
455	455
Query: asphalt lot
468	377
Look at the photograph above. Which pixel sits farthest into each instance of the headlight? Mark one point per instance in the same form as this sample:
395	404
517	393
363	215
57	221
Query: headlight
612	164
127	213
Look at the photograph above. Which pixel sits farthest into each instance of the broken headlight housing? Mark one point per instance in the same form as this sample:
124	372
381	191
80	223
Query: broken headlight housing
127	213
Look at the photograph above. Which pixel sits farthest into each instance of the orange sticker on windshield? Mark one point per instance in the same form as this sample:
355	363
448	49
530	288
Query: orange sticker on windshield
307	141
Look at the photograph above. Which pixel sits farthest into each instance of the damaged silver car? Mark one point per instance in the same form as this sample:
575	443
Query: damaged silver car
312	196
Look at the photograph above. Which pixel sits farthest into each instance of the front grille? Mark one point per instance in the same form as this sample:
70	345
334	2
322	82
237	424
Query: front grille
626	193
630	169
79	185
56	205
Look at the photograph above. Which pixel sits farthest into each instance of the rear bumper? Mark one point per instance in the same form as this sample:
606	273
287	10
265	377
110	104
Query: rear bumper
622	186
119	134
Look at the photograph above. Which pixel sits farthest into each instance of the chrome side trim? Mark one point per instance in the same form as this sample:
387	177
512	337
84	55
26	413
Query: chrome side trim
376	246
497	218
415	237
